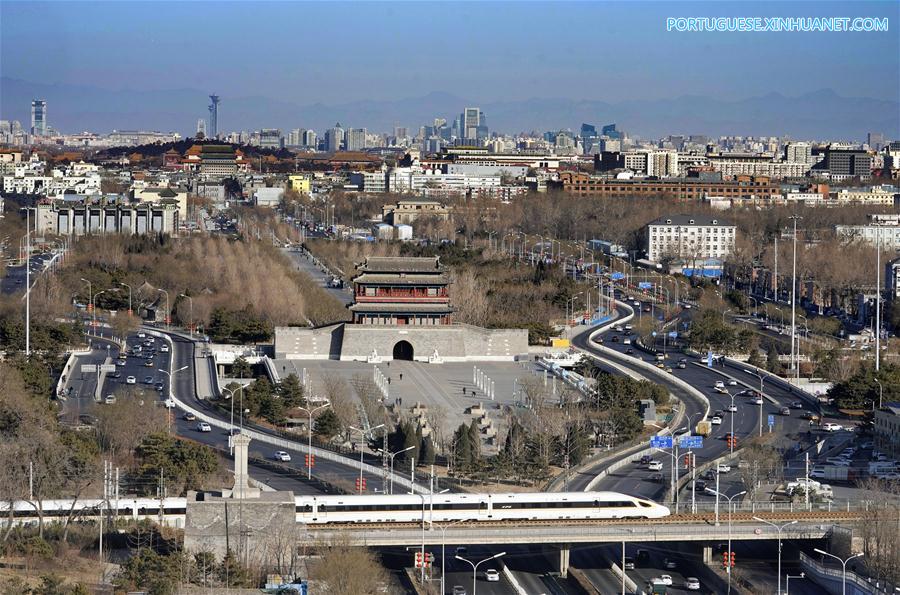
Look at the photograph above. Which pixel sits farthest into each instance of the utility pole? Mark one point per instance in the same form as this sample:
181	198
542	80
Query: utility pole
795	363
877	299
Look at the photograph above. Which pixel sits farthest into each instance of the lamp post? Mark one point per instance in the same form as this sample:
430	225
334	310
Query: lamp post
443	527
94	309
310	411
169	376
795	218
475	566
778	528
168	312
571	300
877	299
362	437
391	457
130	311
787	582
729	498
880	392
191	302
90	298
231	400
27	282
843	567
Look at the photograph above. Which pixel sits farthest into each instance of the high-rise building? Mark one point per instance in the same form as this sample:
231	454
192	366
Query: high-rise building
875	140
309	138
610	131
270	138
798	152
201	127
214	116
295	137
334	138
470	121
355	139
39	117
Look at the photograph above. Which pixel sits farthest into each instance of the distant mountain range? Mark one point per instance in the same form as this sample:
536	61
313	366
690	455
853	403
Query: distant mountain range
820	115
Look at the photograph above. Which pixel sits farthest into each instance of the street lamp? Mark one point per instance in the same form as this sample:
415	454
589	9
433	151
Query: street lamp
130	311
724	313
779	528
731	413
231	400
730	498
310	411
571	300
191	302
843	566
787	582
169	375
795	218
94	309
391	457
476	565
362	437
443	527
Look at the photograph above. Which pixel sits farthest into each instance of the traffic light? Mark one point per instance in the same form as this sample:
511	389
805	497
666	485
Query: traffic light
687	461
310	460
360	484
429	559
727	559
731	441
419	560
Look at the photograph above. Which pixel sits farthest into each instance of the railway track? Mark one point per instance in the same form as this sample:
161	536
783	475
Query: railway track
675	519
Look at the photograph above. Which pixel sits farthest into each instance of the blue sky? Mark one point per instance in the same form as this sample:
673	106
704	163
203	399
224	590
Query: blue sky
334	52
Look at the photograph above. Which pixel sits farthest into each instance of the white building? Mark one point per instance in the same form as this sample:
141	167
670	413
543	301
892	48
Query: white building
752	164
887	235
688	237
371	182
886	196
85	216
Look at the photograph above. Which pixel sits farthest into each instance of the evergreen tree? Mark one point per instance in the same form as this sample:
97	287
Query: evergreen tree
327	424
772	363
291	392
462	451
410	440
427	451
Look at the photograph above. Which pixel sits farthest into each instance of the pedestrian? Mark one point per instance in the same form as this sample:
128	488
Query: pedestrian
401	375
389	380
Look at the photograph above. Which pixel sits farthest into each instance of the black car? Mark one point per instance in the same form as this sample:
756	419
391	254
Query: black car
700	485
629	351
615	338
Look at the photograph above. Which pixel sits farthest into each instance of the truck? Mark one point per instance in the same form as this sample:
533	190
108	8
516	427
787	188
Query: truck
704	428
833	473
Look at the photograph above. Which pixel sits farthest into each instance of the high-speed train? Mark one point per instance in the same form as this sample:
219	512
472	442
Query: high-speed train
406	508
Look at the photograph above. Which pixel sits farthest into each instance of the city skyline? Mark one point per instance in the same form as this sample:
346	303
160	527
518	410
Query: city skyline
604	53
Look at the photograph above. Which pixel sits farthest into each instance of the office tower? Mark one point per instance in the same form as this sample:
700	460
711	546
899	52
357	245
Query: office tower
334	138
875	140
470	120
610	131
309	138
270	138
39	117
201	127
355	139
214	116
798	153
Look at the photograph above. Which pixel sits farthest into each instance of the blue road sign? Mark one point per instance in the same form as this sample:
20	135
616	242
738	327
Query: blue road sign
691	442
673	334
771	420
709	359
617	276
661	442
645	285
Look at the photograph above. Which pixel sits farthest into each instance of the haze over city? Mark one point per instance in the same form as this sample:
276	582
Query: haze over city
450	298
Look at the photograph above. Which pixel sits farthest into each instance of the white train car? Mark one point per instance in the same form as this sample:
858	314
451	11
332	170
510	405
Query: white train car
475	507
26	512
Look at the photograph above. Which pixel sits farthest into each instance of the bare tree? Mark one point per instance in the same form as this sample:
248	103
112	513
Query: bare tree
345	569
337	391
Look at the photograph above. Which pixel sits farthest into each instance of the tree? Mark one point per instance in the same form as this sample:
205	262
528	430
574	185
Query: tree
241	368
183	465
291	392
327	425
463	452
773	364
427	451
346	569
232	573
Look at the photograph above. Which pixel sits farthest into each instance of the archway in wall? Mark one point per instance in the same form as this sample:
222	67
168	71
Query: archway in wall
403	350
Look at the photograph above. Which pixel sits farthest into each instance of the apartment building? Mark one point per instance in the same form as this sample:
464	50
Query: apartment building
689	237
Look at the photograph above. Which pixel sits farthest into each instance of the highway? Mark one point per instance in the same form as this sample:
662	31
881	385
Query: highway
290	475
746	419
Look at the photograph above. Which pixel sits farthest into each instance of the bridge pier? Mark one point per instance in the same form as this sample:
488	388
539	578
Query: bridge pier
564	550
707	554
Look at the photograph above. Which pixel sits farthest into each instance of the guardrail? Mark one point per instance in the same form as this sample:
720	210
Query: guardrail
828	574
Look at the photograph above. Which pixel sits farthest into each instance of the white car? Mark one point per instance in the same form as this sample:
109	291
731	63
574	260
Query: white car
732	408
169	403
664	579
758	401
141	335
832	427
722	468
716	420
655	466
732	382
692	584
130	380
203	427
110	399
491	575
164	348
282	456
719	384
